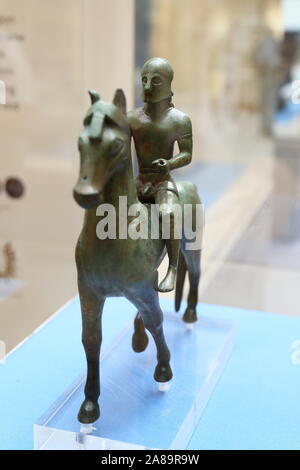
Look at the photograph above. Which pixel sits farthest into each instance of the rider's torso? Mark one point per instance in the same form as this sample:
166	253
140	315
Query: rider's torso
153	138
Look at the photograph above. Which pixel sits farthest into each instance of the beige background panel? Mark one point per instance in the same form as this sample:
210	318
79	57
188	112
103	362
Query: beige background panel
211	46
69	47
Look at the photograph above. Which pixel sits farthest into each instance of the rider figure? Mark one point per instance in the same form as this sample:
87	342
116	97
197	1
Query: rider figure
155	129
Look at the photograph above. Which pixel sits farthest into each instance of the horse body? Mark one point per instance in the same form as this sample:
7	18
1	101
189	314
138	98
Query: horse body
105	262
121	266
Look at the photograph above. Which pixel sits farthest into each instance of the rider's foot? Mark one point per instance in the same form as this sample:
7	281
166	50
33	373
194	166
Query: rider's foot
168	283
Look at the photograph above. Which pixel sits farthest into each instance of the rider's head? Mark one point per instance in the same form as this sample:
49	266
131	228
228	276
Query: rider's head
157	75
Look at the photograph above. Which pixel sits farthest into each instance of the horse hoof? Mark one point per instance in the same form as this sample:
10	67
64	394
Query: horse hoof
163	373
190	315
139	342
89	412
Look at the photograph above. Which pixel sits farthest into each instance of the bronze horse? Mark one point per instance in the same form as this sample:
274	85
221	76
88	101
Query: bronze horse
121	266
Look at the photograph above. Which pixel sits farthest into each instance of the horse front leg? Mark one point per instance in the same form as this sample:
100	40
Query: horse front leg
145	298
91	311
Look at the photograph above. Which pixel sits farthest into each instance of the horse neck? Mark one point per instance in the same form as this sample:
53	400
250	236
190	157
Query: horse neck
121	184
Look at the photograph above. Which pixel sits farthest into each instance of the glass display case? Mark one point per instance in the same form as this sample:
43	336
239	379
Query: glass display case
237	76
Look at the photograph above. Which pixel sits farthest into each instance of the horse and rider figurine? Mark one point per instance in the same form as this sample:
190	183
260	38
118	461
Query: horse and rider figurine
125	266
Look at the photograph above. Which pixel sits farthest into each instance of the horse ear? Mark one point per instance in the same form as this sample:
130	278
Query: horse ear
120	100
94	96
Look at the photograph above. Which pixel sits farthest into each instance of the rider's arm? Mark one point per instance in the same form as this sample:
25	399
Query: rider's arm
185	144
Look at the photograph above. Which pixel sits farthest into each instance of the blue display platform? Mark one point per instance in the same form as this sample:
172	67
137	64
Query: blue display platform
255	404
135	413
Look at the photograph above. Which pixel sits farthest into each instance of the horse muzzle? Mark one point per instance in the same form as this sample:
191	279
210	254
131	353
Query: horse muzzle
87	197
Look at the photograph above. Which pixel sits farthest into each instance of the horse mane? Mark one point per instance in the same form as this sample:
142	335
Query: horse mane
99	112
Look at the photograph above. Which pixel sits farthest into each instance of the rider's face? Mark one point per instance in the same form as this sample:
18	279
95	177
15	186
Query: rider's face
156	86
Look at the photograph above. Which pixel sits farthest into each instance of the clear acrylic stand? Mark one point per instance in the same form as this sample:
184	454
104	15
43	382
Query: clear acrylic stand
136	411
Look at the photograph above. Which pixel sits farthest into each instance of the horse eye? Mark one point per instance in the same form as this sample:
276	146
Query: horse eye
115	147
95	140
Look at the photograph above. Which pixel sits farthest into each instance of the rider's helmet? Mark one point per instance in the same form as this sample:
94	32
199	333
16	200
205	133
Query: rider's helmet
157	75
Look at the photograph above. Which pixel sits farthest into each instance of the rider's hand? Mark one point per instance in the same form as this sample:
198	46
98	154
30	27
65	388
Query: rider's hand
162	164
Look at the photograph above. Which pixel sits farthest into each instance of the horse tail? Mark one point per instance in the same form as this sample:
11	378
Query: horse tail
181	272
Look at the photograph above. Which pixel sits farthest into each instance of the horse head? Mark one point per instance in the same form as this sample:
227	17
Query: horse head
104	147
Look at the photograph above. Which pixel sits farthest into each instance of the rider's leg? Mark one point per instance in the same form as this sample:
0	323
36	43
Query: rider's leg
169	211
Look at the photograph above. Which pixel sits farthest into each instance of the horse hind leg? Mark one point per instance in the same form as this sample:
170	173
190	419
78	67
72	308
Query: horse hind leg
192	259
189	260
146	301
139	338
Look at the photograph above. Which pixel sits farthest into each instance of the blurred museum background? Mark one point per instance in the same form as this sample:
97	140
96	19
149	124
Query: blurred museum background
237	75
